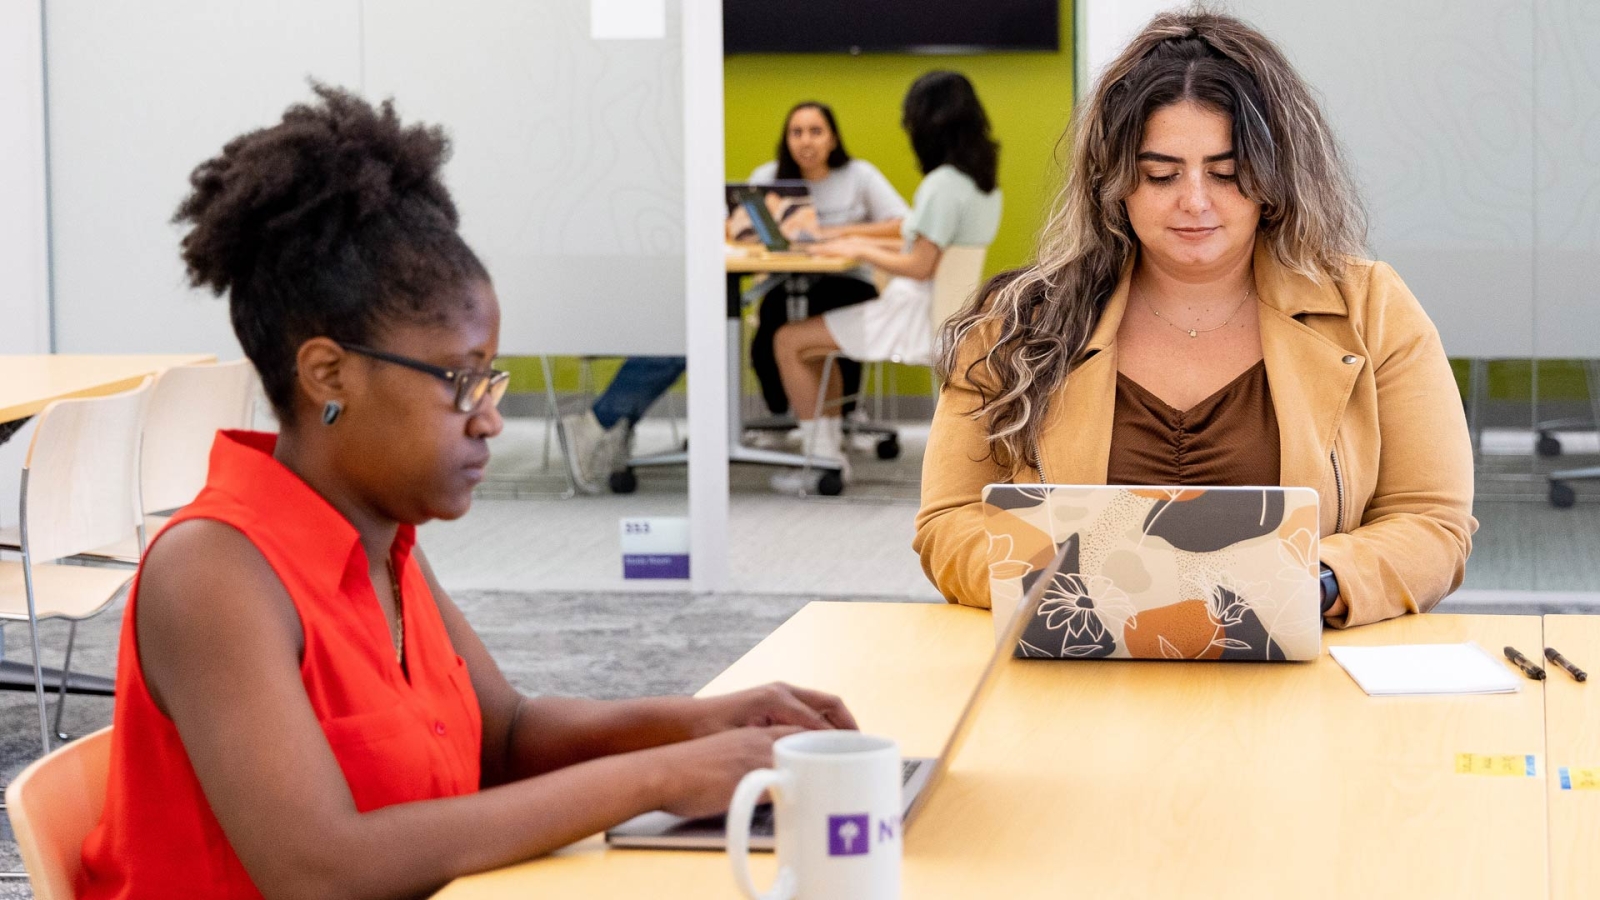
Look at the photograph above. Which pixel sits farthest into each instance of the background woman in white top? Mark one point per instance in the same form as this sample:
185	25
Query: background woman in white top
851	198
958	202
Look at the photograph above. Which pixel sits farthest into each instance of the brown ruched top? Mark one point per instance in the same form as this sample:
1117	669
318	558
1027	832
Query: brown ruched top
1229	438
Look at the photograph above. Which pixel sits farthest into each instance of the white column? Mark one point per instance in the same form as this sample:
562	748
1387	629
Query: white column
24	232
704	294
24	228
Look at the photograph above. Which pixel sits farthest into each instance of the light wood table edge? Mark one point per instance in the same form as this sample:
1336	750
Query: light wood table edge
34	407
763	261
1572	740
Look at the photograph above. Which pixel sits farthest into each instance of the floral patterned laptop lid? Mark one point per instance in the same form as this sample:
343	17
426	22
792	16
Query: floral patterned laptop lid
1225	574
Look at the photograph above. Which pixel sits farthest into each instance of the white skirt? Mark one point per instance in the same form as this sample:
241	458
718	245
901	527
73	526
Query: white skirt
896	326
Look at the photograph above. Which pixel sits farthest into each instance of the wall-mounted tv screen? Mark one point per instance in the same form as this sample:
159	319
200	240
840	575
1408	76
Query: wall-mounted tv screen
889	26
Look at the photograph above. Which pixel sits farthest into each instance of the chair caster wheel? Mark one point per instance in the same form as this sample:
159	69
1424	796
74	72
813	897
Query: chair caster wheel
831	484
1547	445
623	481
1562	496
889	447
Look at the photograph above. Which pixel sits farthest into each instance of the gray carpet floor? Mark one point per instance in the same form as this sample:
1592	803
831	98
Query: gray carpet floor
576	644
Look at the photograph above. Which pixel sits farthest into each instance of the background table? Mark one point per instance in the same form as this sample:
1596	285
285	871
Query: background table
1572	716
30	383
1146	779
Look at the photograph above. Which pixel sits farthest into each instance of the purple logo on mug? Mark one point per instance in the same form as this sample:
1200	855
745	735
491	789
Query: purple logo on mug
849	835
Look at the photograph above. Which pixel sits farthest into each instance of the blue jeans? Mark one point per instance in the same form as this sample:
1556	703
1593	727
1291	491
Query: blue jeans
639	383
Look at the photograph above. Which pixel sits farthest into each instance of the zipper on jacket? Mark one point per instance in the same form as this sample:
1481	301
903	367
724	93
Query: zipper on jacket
1338	489
1038	456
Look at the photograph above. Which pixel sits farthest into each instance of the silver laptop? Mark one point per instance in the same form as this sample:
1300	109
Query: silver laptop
1198	573
919	776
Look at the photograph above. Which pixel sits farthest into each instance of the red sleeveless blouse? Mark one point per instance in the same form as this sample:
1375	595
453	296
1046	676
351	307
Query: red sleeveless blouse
396	740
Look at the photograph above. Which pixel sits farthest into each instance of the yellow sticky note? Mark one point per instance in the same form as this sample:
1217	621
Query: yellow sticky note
1580	779
1503	764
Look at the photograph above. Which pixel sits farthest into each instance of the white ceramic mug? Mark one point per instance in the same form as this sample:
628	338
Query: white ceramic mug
837	812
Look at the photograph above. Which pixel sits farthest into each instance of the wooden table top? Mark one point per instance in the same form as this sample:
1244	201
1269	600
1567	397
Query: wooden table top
29	383
1572	729
759	260
1146	779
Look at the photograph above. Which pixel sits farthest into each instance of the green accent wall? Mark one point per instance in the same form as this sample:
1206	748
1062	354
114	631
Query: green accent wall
1028	97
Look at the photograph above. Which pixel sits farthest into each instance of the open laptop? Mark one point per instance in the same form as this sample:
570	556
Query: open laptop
752	198
1197	573
919	776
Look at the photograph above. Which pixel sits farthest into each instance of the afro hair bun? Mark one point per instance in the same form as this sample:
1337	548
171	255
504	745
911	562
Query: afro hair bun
319	175
332	223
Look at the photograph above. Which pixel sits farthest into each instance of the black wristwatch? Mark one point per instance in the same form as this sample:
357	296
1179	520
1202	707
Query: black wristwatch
1330	588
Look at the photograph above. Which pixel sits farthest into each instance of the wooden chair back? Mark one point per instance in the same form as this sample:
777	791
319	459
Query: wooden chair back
53	806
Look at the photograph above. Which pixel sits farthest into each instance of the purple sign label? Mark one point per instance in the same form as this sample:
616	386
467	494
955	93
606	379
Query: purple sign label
655	565
849	835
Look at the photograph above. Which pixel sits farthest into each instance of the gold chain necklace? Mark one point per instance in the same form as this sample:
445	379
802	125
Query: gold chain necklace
1196	332
397	631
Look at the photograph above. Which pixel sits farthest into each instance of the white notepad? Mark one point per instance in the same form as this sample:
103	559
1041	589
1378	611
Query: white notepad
1426	669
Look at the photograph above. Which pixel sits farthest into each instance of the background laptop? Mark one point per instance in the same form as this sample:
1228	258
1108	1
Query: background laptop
752	198
1211	573
918	776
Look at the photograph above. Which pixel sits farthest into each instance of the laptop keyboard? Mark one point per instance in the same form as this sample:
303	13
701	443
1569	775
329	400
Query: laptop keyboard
761	823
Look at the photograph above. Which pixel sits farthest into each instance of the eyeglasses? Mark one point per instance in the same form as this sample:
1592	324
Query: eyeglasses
471	384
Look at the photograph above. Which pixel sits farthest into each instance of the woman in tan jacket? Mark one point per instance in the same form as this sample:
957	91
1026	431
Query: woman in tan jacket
1199	314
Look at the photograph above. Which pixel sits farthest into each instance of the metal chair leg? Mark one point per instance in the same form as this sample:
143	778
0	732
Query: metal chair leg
66	670
877	390
550	411
33	634
894	399
1477	386
1591	381
554	412
672	417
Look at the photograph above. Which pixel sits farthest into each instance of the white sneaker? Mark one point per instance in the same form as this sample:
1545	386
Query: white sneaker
591	451
820	439
765	439
796	482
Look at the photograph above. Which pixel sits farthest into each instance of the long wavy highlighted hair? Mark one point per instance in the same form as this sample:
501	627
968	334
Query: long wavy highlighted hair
1040	317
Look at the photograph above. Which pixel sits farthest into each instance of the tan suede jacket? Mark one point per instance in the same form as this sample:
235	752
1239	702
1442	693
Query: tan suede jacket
1368	415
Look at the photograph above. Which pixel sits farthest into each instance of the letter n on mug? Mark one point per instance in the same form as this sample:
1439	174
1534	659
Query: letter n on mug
849	835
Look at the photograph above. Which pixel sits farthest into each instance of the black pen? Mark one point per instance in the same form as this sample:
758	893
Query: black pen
1555	656
1525	664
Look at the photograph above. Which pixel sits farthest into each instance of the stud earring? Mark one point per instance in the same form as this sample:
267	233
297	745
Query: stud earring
331	411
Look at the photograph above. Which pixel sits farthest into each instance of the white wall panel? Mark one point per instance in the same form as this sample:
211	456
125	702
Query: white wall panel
139	94
1433	99
24	240
1567	129
568	166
